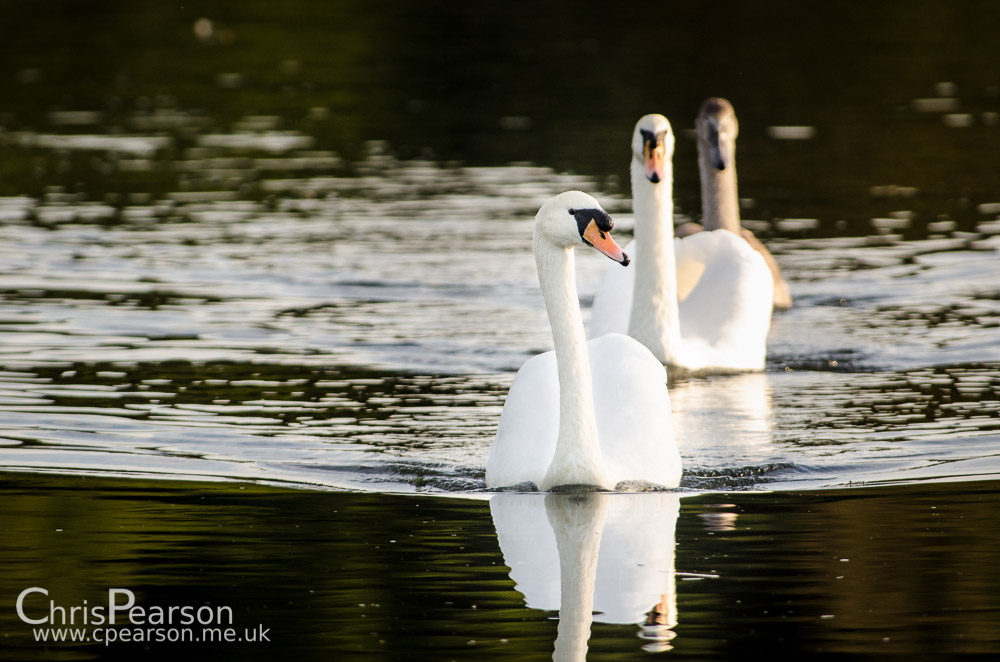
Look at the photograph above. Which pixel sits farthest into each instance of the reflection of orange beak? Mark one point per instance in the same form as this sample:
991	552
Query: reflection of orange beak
603	242
653	154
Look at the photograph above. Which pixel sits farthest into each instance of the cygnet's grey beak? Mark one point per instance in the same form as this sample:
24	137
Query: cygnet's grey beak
719	144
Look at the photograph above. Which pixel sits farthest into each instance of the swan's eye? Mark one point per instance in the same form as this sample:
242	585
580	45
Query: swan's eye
602	221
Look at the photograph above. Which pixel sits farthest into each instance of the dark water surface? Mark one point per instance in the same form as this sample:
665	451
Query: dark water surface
907	572
259	246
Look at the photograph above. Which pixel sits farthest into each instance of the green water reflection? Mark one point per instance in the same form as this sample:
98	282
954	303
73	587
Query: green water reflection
903	571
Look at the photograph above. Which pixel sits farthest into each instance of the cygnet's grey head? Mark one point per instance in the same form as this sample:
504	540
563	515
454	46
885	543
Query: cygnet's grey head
653	146
717	131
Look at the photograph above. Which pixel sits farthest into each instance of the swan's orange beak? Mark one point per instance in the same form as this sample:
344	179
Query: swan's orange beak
603	242
652	152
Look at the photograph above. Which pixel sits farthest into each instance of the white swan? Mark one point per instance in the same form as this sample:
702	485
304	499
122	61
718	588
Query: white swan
596	413
700	304
717	130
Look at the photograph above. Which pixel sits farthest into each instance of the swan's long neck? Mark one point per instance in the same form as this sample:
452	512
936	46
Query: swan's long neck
656	325
577	459
720	207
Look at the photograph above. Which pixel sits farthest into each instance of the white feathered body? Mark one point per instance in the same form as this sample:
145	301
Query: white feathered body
724	291
632	407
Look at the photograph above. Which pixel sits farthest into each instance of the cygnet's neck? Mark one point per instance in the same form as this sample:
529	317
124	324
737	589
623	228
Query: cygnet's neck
577	459
720	207
655	321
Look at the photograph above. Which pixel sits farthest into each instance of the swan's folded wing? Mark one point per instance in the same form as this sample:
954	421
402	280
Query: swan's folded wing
690	265
634	421
729	309
529	424
782	294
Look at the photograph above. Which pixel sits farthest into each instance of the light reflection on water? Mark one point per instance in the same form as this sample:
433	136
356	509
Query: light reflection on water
361	331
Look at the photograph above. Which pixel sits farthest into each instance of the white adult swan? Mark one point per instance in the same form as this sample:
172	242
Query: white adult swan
701	304
717	129
594	414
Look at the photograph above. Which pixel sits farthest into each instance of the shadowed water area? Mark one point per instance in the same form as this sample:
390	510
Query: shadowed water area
278	259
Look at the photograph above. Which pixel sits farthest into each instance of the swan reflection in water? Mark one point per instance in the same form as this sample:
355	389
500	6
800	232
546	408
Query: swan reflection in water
724	424
593	556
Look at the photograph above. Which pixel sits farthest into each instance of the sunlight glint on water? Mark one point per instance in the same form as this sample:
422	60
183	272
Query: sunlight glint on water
361	332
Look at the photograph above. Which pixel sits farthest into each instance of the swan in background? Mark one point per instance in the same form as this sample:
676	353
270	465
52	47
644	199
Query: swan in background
717	130
594	414
598	556
701	304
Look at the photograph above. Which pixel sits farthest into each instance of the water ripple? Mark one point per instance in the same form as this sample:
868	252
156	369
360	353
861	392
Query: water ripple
276	318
